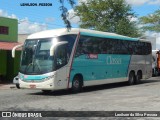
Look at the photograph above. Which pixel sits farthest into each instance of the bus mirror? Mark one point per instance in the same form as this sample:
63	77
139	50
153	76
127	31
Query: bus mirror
52	50
14	48
55	45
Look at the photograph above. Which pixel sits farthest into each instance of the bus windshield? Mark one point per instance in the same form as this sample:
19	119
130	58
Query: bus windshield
36	56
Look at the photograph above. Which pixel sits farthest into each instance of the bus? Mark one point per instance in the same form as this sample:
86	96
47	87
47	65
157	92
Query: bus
61	59
155	62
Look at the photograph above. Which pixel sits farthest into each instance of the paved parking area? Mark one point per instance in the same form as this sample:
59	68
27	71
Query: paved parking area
110	97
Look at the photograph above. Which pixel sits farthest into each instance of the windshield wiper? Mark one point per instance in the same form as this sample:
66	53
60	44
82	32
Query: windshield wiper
26	68
32	64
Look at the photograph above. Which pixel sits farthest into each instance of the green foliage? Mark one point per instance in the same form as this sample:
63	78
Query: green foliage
151	22
64	13
107	15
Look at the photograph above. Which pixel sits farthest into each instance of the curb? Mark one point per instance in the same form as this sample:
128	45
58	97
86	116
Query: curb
7	86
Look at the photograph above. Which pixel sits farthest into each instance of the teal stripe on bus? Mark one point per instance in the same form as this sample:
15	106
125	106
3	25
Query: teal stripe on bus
32	77
110	36
104	67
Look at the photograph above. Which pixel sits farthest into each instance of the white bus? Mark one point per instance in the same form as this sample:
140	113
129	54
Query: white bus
60	59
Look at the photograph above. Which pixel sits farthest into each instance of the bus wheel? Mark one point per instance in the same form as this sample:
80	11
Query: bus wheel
76	84
131	79
138	78
17	86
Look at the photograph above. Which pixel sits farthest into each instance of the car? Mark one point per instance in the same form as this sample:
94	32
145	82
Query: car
16	82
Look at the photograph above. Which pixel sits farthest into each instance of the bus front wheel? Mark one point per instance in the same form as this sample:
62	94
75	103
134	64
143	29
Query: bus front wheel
46	91
76	84
17	86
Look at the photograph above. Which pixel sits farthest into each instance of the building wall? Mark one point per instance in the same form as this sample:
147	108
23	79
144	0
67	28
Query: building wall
17	62
3	59
9	66
12	25
22	37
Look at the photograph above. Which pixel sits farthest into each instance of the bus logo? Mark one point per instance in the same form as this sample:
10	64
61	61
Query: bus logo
92	56
111	60
25	76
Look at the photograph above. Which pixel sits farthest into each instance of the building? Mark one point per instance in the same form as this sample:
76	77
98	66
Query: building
22	38
8	39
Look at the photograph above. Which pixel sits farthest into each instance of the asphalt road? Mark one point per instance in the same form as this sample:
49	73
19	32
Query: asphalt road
110	97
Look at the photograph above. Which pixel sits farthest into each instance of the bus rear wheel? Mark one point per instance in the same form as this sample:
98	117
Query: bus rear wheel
131	79
76	84
138	78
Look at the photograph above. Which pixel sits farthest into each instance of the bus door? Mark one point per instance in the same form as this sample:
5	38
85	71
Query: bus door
60	64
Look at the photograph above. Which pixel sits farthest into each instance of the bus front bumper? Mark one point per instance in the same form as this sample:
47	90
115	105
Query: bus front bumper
43	85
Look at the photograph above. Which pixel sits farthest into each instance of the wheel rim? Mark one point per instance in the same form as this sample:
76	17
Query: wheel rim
76	84
131	79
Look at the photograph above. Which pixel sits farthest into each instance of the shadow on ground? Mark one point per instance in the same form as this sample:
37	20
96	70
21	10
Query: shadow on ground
93	88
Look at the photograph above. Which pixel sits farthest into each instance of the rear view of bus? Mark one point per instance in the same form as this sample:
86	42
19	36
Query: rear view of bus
61	59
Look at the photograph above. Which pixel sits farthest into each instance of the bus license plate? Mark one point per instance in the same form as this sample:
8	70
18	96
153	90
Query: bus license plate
32	86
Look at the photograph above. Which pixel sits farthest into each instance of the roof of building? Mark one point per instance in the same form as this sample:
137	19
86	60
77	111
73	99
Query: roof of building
8	45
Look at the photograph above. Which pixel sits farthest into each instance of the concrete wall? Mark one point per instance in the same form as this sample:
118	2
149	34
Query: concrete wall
22	37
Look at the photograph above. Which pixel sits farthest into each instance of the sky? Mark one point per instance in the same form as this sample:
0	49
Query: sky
37	18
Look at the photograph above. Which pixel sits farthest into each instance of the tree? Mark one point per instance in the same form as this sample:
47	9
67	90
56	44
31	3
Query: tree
64	13
151	22
107	15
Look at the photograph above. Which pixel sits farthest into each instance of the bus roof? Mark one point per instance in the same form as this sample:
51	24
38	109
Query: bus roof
64	31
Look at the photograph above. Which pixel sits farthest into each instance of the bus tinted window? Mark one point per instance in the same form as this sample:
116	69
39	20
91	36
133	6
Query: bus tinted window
96	45
70	39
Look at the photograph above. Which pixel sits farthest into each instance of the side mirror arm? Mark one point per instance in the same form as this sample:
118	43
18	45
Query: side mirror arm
14	48
55	45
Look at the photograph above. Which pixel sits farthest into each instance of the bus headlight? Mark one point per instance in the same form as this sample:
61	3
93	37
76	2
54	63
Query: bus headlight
48	78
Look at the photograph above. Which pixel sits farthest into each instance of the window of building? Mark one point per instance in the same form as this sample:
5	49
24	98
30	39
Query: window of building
4	30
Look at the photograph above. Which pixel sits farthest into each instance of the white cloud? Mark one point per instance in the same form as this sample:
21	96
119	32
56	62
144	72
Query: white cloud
49	19
133	2
72	17
27	27
155	38
133	19
142	2
155	2
157	35
158	43
137	2
5	14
